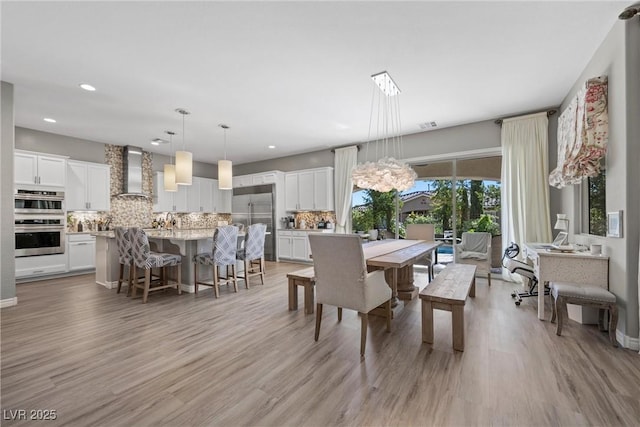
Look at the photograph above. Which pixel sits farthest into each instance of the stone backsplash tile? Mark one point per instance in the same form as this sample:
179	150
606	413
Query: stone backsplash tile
314	217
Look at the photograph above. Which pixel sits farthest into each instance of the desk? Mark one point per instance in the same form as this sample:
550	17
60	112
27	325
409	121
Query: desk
580	268
398	256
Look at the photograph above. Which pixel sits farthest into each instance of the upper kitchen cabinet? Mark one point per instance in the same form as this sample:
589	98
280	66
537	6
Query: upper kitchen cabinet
256	179
221	199
88	186
309	190
39	169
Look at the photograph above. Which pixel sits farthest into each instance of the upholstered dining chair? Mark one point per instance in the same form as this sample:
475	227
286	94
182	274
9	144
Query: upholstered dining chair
342	280
147	260
253	253
475	249
225	248
125	257
423	232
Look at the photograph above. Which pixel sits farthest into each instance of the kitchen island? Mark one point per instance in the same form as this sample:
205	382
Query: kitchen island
187	243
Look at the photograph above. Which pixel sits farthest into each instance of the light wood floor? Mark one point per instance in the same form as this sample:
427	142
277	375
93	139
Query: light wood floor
102	359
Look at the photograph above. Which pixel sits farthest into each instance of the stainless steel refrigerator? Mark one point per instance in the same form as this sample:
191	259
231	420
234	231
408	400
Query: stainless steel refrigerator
251	205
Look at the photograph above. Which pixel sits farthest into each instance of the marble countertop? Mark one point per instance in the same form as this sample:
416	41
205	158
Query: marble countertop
309	230
194	234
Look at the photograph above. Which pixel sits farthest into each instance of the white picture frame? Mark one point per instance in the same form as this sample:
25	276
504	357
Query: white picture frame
614	224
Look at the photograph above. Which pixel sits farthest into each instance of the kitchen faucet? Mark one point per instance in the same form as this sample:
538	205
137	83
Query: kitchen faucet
168	224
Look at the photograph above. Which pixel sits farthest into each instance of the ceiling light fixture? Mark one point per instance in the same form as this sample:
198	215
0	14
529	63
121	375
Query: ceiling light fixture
184	159
387	173
158	141
170	169
225	167
87	87
271	147
49	120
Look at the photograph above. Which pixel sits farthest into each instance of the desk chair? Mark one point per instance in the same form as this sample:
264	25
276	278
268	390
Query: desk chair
525	270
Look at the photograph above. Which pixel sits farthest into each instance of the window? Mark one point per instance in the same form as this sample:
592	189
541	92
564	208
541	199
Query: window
594	205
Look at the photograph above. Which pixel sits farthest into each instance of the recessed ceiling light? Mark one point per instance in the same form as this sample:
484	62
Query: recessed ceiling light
271	147
158	141
87	86
49	120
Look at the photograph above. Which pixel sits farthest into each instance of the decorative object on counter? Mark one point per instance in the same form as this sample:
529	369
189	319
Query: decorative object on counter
184	159
170	169
80	228
225	173
387	173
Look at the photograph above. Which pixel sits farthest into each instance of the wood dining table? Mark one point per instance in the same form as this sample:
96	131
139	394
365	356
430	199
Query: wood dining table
397	257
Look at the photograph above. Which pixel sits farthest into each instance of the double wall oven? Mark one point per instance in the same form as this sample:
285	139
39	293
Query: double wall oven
39	222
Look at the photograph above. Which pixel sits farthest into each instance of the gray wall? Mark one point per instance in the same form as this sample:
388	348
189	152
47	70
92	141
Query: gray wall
473	136
617	58
89	151
7	237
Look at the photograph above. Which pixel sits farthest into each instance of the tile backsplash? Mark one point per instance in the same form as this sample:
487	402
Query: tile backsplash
314	217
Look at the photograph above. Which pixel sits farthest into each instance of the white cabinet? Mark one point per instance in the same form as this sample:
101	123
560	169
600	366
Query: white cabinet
163	199
207	194
81	249
38	169
294	245
310	189
202	195
33	266
193	195
88	186
255	179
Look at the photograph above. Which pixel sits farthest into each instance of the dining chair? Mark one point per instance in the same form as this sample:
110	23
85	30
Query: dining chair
342	280
125	257
253	253
423	232
147	260
475	249
223	254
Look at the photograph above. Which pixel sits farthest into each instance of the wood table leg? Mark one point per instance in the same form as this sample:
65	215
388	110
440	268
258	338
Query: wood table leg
309	298
406	290
457	326
293	295
427	322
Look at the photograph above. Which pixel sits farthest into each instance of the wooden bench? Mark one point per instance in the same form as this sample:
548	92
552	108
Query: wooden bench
448	291
302	278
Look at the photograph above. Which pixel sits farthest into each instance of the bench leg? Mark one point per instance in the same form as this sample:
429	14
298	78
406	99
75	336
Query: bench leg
293	295
457	326
427	322
308	298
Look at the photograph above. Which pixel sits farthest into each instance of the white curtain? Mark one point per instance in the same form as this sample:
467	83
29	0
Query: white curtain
344	162
525	190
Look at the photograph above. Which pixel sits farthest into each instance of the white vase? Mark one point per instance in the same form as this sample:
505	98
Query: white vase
373	234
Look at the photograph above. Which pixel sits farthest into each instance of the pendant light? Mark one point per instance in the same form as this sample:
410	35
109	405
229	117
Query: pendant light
170	169
184	159
225	172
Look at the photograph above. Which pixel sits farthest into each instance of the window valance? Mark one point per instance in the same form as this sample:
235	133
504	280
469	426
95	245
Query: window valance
583	133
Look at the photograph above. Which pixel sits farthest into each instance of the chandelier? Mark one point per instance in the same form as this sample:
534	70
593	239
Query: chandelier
387	173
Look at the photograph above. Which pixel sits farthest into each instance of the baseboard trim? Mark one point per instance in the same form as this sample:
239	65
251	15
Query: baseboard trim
108	285
627	341
9	302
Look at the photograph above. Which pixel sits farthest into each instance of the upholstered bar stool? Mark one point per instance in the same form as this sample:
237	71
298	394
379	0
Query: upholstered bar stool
591	296
125	257
147	260
225	248
253	253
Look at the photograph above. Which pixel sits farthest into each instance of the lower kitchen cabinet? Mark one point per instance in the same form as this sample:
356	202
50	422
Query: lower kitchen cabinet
41	265
81	250
293	245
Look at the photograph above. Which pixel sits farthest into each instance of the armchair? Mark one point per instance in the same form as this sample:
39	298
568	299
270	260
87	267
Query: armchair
342	280
475	249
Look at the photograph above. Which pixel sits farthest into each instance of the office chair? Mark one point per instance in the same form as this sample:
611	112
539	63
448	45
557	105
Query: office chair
525	270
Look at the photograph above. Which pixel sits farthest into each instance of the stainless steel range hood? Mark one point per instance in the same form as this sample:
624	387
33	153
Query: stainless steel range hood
132	165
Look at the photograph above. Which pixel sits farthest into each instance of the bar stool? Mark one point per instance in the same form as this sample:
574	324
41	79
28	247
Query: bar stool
147	260
125	257
225	247
253	253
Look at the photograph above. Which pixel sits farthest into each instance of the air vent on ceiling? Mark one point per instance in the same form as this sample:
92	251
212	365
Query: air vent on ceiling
428	125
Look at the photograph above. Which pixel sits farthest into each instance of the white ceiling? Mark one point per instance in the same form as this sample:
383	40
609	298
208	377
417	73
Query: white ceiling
291	74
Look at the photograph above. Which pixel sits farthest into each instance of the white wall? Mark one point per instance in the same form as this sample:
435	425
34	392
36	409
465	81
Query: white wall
7	236
615	58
